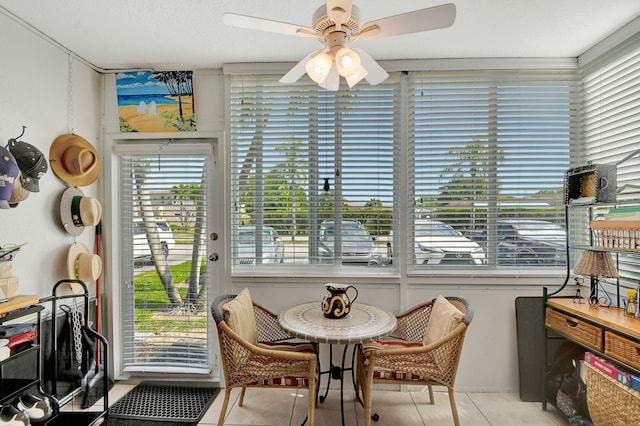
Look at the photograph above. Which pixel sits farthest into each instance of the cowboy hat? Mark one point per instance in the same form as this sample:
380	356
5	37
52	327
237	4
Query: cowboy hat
78	211
82	265
74	160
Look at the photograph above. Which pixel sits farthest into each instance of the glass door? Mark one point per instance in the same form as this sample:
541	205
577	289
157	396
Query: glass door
164	206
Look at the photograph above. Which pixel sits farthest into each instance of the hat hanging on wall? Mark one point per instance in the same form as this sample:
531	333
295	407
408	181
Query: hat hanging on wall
18	191
78	211
31	161
74	160
8	173
82	265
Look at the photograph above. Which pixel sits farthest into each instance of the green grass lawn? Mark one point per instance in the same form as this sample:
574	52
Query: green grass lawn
152	309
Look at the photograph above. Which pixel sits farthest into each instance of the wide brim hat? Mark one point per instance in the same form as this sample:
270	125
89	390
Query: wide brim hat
77	211
82	265
74	160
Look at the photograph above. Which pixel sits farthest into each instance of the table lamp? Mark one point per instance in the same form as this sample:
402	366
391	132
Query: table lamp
596	264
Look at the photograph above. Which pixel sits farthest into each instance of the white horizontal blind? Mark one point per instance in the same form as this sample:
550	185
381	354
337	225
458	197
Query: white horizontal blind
287	143
164	320
612	128
486	147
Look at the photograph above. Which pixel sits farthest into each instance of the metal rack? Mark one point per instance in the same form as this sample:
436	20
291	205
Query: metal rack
67	413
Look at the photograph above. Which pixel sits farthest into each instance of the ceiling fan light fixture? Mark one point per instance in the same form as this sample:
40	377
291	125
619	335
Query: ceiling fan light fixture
355	78
332	81
318	67
347	61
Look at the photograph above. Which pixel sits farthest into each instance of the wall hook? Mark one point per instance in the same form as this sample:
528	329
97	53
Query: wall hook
21	134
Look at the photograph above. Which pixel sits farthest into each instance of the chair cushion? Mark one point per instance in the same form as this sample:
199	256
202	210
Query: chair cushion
391	374
444	318
289	345
240	317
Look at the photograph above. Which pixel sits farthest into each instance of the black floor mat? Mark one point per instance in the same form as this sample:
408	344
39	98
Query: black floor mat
137	422
161	403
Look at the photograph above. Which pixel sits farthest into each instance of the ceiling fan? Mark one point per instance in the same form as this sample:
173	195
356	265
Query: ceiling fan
336	26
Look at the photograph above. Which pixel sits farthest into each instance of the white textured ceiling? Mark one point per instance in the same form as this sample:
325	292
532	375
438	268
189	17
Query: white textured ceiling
189	34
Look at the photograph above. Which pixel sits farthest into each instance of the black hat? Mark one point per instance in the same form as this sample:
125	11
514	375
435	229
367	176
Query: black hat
31	161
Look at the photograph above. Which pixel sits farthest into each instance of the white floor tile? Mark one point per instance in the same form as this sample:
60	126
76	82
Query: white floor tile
282	407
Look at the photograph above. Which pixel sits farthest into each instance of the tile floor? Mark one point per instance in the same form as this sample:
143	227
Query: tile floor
280	407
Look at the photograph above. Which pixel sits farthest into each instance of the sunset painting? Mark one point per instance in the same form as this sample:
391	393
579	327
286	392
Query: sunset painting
159	101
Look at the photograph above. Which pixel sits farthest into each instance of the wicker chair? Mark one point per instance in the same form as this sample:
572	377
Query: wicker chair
275	362
403	358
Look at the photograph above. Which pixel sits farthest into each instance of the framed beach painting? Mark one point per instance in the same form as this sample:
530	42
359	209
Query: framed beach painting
156	101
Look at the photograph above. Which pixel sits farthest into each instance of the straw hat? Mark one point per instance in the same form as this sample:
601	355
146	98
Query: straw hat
78	211
82	265
74	160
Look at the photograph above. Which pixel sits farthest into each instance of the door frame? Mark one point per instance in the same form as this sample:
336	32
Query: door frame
110	297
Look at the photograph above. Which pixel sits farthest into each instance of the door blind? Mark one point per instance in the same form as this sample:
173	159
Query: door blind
163	213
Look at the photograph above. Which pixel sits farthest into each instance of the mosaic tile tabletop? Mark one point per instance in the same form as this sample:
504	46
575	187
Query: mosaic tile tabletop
364	323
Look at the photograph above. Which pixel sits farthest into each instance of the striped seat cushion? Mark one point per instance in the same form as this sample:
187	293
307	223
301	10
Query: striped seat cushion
386	373
289	345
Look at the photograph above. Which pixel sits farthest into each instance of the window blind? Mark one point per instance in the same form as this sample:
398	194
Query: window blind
312	174
611	125
487	154
163	211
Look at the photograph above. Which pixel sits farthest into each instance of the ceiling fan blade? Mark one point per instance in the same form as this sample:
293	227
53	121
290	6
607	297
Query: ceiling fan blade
298	69
432	18
376	74
339	11
261	24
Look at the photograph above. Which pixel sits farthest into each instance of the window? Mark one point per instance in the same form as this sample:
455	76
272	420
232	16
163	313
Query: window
303	157
474	151
487	155
611	126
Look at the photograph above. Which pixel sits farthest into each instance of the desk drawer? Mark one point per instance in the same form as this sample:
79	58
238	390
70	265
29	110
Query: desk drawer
575	328
622	349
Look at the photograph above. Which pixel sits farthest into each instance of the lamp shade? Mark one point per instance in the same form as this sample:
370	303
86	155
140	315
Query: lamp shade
332	82
347	61
596	264
318	67
354	78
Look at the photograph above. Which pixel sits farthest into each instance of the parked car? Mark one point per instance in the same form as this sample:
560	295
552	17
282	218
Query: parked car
357	244
527	242
141	249
436	243
272	245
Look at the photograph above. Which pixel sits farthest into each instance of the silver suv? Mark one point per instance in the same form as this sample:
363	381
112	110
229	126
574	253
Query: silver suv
357	244
436	243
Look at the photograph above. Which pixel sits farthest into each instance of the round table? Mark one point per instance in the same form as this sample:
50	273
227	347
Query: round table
364	323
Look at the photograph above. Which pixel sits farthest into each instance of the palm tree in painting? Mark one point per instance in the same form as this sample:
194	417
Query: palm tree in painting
178	83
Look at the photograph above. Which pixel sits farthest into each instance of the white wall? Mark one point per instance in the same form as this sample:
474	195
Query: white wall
34	93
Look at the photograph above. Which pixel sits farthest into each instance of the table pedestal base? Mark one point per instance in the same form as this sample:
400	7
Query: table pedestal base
336	372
